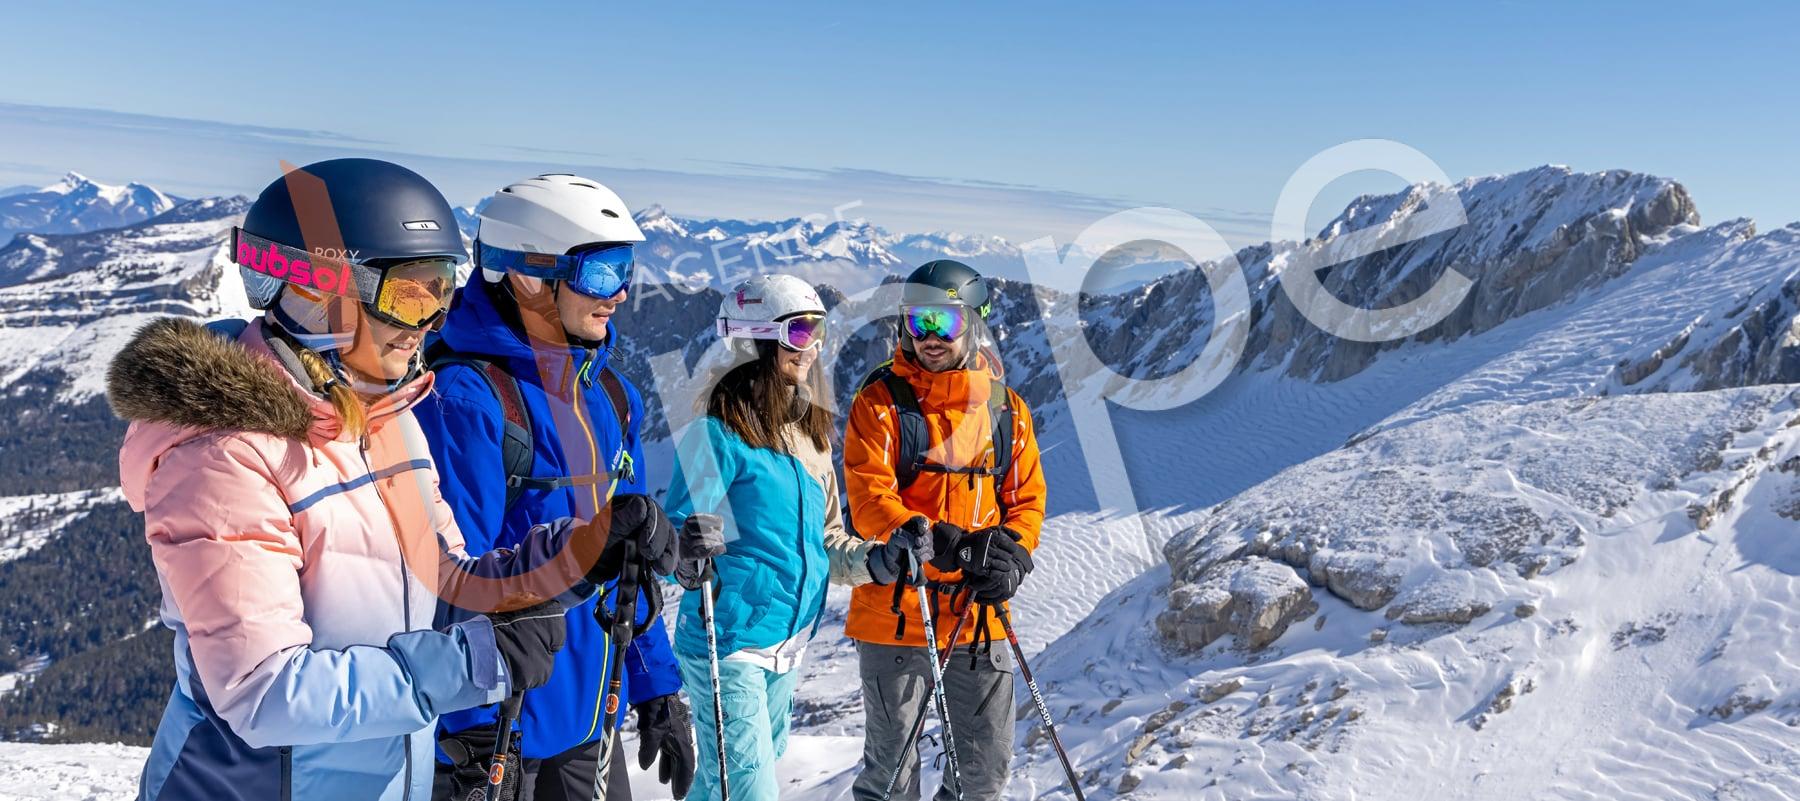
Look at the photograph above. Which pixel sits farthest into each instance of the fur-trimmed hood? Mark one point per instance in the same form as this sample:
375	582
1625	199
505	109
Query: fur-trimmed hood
177	380
178	372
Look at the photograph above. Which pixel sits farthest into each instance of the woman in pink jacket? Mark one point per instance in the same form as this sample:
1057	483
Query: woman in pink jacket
291	508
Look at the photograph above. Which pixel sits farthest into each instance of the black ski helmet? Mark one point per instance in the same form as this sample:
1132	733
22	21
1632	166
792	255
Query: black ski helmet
382	212
946	282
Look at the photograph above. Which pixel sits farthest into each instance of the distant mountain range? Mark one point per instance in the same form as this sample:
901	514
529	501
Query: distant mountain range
77	204
849	254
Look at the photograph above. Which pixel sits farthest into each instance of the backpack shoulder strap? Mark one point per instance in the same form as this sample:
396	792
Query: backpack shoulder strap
621	404
230	328
914	437
1000	413
517	451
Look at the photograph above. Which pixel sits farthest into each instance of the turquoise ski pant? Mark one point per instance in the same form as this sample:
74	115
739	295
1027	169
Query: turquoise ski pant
758	704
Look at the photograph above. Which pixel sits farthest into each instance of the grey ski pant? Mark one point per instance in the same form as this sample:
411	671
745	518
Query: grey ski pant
896	682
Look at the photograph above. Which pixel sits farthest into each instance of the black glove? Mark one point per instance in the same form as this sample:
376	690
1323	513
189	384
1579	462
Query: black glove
996	587
528	640
470	752
980	553
945	539
1006	565
663	731
903	555
702	538
638	520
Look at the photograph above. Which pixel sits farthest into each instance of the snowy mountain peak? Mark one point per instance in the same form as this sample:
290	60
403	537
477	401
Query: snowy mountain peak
1537	201
655	218
205	209
1531	240
76	203
70	182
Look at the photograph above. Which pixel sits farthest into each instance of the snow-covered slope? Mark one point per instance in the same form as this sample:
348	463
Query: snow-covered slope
28	521
1391	495
69	301
76	204
1577	615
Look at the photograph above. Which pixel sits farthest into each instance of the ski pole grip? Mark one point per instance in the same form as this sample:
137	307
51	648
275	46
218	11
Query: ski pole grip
900	582
653	598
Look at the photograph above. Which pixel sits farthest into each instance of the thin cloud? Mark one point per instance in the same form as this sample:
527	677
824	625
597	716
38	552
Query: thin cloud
198	157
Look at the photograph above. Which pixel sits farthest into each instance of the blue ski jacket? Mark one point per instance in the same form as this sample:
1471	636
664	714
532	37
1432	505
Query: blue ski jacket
465	425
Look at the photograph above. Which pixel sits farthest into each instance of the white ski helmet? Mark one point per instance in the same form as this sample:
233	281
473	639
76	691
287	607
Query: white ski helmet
553	214
754	308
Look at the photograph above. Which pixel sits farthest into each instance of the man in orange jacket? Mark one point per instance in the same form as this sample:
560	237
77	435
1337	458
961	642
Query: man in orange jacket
941	464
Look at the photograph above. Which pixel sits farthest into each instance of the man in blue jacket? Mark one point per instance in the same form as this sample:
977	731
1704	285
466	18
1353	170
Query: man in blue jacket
528	424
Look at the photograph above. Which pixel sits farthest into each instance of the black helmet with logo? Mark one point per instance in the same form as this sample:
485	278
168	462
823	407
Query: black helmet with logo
946	282
357	210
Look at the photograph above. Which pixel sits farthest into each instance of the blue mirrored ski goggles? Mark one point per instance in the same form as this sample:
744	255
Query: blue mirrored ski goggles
597	273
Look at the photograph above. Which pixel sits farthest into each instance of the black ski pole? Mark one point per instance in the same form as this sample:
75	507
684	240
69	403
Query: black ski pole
624	619
509	712
1037	698
918	725
712	653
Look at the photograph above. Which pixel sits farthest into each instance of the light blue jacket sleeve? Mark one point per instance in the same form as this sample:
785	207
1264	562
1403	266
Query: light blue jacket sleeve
363	692
369	692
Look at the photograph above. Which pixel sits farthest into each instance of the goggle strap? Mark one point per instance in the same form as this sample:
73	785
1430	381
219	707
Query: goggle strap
535	265
749	329
320	273
777	331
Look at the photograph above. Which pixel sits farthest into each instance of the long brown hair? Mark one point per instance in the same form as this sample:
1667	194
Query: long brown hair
755	402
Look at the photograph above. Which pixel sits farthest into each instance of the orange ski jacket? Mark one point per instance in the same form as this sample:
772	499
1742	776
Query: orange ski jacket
956	411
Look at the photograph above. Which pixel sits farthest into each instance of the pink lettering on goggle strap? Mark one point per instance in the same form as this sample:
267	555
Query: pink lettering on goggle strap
295	266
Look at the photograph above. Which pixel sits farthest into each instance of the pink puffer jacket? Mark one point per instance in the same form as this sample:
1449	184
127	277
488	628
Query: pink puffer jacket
300	571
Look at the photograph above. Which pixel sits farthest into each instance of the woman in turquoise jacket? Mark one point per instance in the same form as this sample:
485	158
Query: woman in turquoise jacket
761	461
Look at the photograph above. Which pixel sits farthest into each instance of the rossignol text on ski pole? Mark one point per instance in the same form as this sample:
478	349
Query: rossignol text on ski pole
1037	698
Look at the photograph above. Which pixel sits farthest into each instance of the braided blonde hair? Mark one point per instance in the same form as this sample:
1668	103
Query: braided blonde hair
349	407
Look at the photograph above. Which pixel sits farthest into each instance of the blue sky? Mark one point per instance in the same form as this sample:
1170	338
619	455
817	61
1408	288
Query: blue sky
1003	118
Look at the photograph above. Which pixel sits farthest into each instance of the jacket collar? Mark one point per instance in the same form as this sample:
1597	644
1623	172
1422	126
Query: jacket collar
961	389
